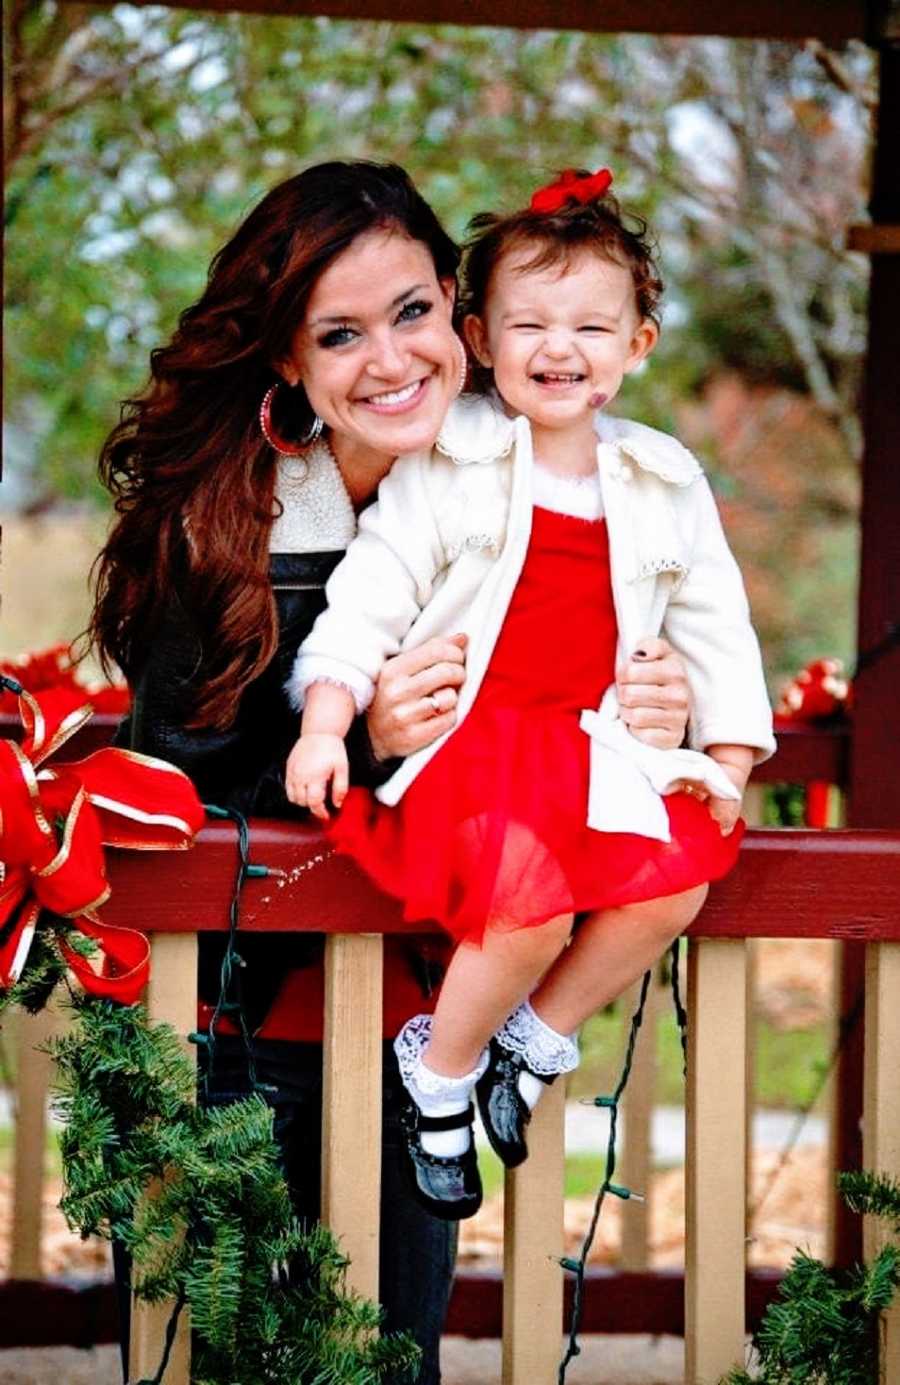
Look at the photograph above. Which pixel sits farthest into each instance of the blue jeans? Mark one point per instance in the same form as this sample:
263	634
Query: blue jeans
417	1250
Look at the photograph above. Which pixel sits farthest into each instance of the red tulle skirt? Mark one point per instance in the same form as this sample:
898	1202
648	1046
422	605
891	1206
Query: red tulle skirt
492	833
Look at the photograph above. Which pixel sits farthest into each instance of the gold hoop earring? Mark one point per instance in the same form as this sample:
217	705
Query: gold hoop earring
274	439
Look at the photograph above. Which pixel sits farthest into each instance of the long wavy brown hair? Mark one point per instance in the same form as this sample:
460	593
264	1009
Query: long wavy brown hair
192	477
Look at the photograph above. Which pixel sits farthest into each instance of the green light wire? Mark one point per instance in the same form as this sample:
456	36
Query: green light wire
611	1103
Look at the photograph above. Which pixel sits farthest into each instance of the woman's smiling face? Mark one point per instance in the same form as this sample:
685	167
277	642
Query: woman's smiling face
376	352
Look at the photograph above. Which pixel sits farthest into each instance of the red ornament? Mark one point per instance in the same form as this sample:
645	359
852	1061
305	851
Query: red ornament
571	187
55	824
818	691
53	669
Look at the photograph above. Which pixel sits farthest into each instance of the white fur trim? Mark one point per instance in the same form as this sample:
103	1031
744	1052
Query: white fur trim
317	668
578	496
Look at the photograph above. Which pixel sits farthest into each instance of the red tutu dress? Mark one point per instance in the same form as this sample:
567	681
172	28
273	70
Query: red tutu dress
493	833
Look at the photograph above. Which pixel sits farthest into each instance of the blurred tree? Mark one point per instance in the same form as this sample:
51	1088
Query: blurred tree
136	139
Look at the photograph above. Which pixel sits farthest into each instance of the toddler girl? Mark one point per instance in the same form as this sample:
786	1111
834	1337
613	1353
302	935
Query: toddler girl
556	537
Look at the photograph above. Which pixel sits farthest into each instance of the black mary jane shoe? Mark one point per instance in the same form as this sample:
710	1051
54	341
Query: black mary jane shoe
504	1111
447	1187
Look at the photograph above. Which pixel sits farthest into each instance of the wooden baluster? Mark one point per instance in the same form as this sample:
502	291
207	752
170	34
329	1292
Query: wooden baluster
532	1242
716	1153
750	983
831	1109
30	1137
171	997
636	1165
351	1111
754	812
881	1106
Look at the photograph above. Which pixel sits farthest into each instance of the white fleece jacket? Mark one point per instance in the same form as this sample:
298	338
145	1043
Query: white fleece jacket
442	549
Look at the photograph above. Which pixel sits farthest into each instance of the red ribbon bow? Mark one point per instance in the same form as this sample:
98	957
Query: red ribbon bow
571	187
55	823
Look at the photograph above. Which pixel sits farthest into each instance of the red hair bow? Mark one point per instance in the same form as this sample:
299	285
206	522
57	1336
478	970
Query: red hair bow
569	186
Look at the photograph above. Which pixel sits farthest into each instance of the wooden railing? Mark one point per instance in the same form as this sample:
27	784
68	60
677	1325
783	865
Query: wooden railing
842	885
787	884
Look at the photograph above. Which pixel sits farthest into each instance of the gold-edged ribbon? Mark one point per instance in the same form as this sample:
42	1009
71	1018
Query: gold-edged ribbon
54	825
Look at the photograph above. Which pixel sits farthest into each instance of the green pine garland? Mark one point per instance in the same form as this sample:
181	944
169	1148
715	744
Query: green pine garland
218	1232
196	1194
823	1329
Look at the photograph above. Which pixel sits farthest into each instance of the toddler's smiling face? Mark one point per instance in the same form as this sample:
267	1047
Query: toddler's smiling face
561	338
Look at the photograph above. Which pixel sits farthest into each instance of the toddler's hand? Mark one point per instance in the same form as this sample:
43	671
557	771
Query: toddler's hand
316	761
726	811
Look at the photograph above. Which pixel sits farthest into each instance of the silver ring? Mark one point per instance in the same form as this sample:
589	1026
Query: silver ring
433	699
688	788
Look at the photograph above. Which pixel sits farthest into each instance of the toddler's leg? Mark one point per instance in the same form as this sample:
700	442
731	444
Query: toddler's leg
612	948
441	1058
526	1055
483	985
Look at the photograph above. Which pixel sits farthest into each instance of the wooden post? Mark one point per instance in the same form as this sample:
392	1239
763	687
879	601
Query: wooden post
171	997
351	1102
30	1135
875	759
881	1104
532	1242
637	1154
754	813
716	1151
750	983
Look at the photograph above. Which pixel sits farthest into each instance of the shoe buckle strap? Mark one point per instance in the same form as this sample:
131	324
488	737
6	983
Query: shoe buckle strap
456	1121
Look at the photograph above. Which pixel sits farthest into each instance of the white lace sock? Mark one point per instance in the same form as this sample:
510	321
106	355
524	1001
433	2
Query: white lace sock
545	1050
433	1093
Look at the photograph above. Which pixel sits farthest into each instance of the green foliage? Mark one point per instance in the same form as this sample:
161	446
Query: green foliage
40	978
582	1173
140	138
874	1195
786	806
216	1230
822	1330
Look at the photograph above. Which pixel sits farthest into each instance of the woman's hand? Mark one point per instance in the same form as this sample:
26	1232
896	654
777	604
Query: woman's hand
317	760
653	695
416	696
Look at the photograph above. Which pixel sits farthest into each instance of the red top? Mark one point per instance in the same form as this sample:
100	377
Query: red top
493	832
299	1006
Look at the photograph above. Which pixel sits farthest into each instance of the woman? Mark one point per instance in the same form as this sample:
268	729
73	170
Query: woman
322	348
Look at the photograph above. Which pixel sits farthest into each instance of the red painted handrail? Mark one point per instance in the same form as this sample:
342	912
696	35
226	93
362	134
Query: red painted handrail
787	883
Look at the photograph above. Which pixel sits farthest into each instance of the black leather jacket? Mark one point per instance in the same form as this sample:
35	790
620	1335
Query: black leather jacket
243	767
